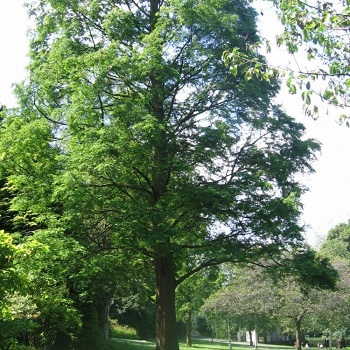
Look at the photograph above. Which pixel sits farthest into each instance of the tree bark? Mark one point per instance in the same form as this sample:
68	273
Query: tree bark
265	337
166	330
298	333
229	334
103	314
105	324
251	343
189	328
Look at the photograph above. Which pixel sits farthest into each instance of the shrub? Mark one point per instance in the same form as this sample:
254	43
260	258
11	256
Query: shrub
119	331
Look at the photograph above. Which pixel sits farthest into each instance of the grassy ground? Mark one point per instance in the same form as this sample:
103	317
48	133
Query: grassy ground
121	344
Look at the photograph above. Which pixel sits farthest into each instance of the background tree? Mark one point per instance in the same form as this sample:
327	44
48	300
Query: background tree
337	243
192	293
275	298
329	313
299	284
248	302
132	138
292	306
334	305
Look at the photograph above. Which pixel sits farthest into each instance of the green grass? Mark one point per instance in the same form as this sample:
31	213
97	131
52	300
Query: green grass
129	344
125	344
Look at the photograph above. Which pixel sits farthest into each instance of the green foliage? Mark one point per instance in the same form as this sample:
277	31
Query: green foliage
334	306
247	302
18	311
320	29
108	144
337	244
250	68
57	319
120	331
311	269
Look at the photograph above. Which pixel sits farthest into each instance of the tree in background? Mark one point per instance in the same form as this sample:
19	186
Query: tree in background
298	286
248	302
337	243
334	306
331	308
273	298
190	295
293	304
133	140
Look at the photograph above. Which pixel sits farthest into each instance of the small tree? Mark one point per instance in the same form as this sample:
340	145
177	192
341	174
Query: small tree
15	321
259	298
333	315
249	301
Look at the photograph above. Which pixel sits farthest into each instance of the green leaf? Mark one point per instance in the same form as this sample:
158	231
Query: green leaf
308	99
327	95
292	89
234	69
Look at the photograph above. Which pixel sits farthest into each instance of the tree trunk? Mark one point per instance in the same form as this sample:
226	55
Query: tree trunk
330	340
250	337
298	333
229	335
105	321
166	331
103	308
189	328
265	337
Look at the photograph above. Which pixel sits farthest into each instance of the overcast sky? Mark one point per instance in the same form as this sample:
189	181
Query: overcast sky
327	202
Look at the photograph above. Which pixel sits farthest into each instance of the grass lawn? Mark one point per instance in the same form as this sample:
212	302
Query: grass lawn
121	344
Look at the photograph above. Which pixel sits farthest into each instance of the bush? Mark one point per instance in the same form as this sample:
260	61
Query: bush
119	331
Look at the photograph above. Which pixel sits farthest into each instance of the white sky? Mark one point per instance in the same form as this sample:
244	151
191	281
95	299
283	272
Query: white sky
326	203
14	47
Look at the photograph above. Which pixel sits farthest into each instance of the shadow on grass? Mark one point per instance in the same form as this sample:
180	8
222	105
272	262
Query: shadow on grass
126	344
219	344
203	344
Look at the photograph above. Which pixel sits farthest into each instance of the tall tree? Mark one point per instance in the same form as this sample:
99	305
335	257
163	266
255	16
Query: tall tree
132	135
